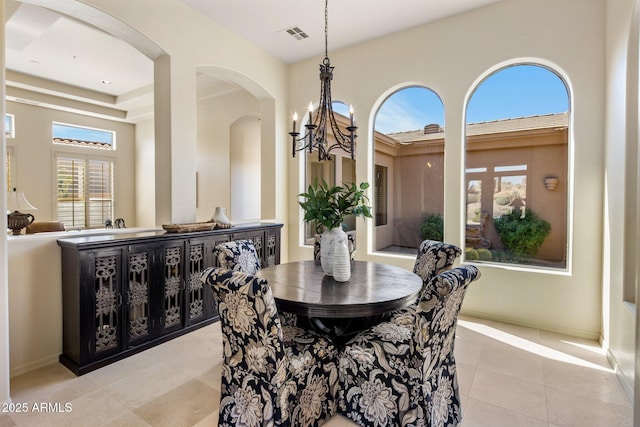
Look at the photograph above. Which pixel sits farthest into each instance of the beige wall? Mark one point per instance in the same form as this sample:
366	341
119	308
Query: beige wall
167	147
4	280
452	56
215	153
620	193
34	158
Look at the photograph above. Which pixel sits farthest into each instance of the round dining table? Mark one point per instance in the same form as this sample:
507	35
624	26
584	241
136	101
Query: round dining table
302	288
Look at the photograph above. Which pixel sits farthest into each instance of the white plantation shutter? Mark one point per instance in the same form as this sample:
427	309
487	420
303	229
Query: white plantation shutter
100	192
8	162
85	192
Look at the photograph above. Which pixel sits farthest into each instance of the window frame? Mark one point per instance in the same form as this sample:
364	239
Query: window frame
86	159
82	143
568	177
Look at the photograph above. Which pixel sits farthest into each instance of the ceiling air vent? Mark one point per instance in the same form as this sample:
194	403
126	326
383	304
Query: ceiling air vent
296	33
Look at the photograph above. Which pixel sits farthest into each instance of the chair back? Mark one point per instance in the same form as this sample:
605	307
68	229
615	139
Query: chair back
252	335
238	255
434	257
437	314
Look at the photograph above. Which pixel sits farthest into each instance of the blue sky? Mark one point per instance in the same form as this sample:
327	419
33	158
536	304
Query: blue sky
523	90
81	134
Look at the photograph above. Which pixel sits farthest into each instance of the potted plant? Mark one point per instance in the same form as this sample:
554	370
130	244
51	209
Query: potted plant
326	207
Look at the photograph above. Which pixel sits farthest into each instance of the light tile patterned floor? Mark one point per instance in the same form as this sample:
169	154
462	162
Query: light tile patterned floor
509	376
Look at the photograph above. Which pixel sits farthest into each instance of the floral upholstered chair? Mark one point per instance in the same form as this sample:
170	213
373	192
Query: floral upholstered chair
394	375
241	255
271	376
238	255
433	258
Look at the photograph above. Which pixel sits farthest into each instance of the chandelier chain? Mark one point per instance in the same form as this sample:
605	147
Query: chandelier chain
326	28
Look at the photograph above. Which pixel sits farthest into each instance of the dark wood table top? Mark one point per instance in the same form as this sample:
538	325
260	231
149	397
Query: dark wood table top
303	288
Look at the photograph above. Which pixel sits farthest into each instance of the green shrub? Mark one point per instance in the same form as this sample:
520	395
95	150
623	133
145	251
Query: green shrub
432	227
471	254
484	254
500	256
522	237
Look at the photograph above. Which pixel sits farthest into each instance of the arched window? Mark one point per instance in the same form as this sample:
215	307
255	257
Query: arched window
517	133
409	170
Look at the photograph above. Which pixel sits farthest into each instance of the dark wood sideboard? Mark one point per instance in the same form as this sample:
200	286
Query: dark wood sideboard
124	293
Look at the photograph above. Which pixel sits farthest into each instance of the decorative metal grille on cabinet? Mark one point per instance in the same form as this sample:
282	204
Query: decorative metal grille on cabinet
106	303
196	265
271	250
138	295
257	242
172	282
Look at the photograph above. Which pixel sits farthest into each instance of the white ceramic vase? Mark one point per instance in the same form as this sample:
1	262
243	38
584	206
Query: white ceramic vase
341	260
327	247
220	216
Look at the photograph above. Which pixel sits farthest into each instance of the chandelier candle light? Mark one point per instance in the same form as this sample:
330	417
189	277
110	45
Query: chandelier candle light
317	134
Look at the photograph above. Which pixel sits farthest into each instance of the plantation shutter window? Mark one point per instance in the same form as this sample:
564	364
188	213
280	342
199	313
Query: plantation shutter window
100	192
71	182
85	192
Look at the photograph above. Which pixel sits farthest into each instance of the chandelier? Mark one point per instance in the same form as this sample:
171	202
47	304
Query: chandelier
318	128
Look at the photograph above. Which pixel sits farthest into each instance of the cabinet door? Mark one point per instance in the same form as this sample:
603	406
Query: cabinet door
272	247
138	291
195	293
172	285
103	290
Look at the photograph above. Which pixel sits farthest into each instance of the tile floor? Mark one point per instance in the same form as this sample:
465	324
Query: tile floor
509	376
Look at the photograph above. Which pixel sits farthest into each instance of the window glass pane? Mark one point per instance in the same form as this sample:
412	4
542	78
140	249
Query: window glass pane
517	142
380	195
509	192
409	148
474	195
9	126
83	136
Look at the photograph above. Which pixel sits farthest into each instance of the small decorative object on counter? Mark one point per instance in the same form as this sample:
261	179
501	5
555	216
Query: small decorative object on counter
119	223
341	260
195	226
108	223
220	216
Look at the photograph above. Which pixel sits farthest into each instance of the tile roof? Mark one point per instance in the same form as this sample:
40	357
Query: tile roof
559	120
94	144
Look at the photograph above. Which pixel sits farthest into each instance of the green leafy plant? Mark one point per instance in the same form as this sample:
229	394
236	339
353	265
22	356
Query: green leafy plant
522	236
327	206
432	227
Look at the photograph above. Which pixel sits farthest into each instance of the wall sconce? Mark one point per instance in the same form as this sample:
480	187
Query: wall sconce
16	221
550	182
